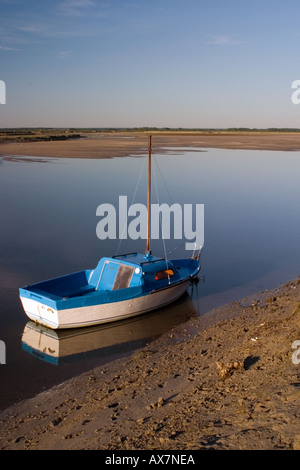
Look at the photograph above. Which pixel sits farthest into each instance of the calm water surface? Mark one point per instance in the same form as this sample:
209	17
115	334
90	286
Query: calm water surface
48	228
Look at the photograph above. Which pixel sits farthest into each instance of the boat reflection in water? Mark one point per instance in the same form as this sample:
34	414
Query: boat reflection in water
62	346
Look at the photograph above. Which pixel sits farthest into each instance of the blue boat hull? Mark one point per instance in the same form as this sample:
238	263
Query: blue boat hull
116	289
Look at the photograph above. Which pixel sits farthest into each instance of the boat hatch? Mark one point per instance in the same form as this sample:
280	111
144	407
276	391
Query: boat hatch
123	277
111	274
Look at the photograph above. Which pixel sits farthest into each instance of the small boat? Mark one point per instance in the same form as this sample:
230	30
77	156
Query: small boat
119	287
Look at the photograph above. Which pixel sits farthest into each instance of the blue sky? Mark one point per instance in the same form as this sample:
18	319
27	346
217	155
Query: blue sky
163	63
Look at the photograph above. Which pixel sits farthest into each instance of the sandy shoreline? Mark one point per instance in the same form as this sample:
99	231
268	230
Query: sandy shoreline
109	145
228	380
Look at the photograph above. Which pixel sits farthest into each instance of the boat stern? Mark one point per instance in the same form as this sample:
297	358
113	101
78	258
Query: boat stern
37	310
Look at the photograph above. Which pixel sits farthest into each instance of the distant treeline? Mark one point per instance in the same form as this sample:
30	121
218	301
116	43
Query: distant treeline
52	133
185	129
37	135
269	129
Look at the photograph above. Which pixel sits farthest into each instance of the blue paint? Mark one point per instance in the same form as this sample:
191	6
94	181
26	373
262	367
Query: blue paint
93	287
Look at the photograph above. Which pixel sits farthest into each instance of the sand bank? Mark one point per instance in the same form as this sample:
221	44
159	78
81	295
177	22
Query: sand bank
227	380
109	145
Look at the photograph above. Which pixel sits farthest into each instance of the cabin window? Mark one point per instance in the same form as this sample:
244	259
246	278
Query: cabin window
123	277
164	274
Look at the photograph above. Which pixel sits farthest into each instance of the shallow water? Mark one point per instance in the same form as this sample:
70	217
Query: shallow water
48	228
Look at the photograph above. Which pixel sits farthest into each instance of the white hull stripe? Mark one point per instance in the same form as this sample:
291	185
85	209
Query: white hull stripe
84	316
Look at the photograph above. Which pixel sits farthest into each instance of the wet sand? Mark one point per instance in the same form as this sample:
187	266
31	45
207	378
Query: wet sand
227	380
109	145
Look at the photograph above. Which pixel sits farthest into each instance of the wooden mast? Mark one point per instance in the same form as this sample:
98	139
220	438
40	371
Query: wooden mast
149	196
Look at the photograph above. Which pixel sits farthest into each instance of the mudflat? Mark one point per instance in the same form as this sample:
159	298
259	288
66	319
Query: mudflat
109	145
227	380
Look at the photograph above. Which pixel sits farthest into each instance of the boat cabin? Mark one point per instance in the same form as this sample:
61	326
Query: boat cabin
131	270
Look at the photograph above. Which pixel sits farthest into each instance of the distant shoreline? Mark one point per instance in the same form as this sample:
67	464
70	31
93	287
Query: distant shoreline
130	143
